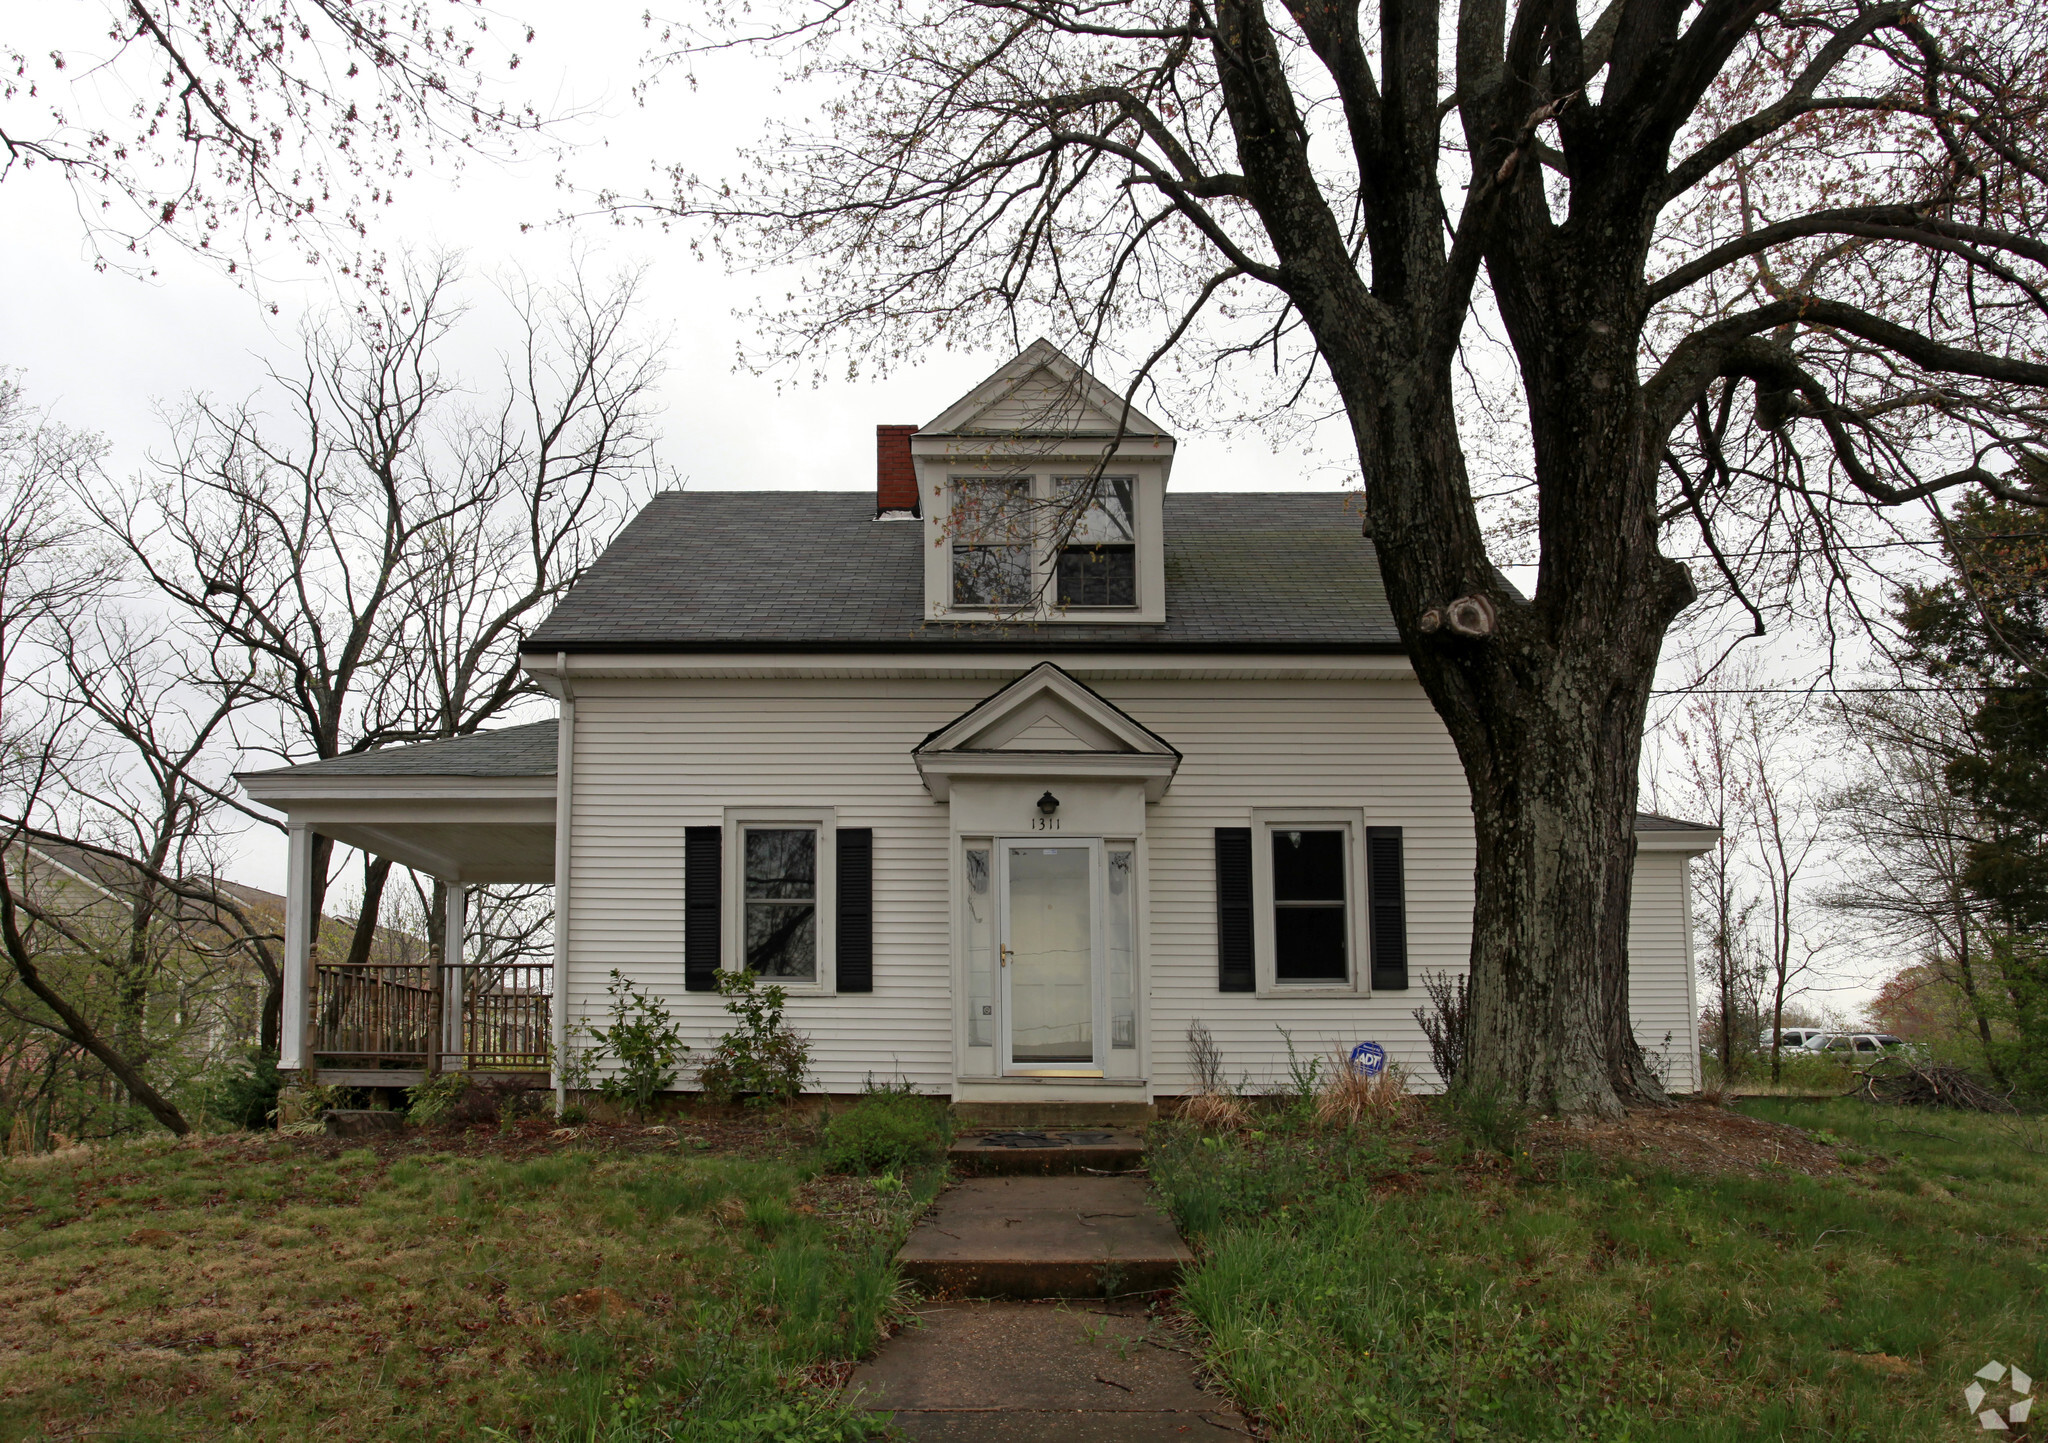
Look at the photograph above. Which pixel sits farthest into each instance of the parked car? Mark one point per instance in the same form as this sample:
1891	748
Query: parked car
1791	1036
1862	1044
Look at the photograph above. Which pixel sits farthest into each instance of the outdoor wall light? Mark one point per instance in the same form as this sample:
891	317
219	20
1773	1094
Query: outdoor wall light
1048	804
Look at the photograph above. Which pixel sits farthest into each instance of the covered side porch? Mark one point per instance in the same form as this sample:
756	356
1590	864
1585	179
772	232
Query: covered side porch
469	812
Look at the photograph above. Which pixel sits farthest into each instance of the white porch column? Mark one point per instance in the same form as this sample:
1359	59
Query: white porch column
452	975
565	777
298	950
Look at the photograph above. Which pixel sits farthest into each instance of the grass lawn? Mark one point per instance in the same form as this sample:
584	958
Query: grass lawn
693	1281
1704	1275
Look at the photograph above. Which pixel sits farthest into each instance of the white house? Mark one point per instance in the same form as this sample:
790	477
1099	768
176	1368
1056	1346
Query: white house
1009	771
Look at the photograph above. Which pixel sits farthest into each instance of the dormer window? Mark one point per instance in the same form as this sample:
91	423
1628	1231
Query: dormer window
1043	497
992	542
1098	560
1015	538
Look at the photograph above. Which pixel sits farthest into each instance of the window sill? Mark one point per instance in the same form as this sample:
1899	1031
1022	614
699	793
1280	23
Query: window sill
1310	989
1078	616
1018	1079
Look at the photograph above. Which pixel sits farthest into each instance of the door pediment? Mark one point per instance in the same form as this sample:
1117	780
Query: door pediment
1046	724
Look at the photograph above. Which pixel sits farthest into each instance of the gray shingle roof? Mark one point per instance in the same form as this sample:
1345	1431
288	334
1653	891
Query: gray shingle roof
1652	822
814	571
522	751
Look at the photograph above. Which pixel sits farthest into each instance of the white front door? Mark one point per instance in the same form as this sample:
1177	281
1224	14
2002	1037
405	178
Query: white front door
1050	946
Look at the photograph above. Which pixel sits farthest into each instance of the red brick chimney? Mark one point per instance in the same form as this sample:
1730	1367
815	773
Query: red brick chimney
895	472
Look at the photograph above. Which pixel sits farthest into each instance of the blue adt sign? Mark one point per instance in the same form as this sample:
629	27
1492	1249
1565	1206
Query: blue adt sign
1368	1058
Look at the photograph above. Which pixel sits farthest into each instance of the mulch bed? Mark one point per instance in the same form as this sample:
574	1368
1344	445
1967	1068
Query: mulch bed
744	1136
1694	1137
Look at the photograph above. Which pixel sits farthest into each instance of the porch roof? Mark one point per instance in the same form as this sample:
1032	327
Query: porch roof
479	808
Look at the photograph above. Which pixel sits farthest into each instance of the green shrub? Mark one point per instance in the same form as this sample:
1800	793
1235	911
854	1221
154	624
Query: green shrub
643	1044
245	1094
886	1131
431	1100
762	1060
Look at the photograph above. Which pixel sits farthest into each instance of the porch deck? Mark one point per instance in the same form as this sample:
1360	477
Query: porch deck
392	1024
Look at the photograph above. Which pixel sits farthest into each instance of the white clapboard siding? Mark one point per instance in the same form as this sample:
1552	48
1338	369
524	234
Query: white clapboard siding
653	757
1660	968
1376	746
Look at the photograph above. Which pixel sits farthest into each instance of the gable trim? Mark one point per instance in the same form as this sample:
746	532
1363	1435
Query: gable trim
988	714
976	743
958	418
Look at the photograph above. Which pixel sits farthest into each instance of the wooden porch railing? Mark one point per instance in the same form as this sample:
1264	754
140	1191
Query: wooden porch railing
432	1017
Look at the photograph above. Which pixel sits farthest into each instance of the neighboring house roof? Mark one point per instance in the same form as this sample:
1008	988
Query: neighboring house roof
815	571
529	751
116	875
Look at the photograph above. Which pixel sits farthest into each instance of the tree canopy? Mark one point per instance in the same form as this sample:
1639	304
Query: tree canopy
230	125
1712	279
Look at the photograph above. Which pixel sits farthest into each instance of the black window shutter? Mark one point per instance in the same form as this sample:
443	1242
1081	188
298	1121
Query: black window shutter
854	911
1389	914
1234	970
703	893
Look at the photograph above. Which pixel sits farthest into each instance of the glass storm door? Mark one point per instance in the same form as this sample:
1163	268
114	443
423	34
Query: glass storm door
1048	957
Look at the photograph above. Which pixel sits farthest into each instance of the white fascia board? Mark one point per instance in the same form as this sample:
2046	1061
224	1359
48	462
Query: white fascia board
1692	841
975	666
1156	771
1078	447
281	790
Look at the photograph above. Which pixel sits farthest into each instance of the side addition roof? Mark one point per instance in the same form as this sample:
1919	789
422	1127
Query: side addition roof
814	571
521	751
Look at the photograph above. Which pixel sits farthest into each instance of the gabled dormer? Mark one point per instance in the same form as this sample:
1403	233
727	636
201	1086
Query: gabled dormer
1042	499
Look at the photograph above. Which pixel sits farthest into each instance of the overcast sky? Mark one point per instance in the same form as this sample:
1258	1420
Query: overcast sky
104	349
101	348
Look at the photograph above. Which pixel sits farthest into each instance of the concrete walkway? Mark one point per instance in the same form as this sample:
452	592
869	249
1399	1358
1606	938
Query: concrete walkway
1044	1226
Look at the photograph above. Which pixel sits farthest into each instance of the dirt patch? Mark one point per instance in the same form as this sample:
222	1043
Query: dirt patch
1692	1137
599	1303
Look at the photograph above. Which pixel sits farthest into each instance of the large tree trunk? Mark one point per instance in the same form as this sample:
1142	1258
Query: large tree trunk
1547	711
1553	822
376	872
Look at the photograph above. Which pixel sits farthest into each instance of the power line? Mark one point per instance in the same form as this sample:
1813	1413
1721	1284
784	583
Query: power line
1740	555
1830	691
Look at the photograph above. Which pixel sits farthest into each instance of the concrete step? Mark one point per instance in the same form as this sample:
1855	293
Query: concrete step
1053	1114
1045	1153
1045	1237
1042	1373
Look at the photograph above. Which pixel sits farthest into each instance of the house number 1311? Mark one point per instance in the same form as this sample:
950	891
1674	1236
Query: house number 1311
1045	824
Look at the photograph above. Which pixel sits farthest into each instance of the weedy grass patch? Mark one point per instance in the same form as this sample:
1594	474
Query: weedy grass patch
619	1284
1406	1283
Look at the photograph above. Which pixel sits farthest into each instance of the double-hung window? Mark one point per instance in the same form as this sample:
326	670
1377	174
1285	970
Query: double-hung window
1311	905
1019	543
1098	554
779	901
992	542
1307	900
